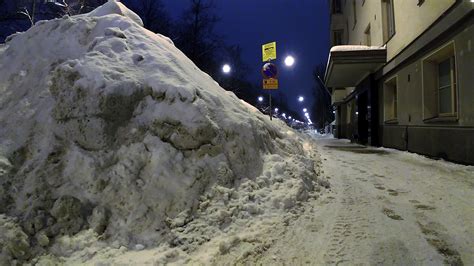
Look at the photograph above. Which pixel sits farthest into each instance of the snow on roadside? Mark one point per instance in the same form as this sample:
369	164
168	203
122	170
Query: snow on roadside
112	140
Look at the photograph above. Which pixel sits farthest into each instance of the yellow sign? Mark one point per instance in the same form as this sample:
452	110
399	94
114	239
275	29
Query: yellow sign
269	51
270	84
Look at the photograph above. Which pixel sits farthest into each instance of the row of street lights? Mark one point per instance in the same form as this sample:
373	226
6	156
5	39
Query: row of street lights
305	110
289	61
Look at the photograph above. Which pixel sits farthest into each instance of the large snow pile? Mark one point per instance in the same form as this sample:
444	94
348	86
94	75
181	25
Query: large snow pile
106	127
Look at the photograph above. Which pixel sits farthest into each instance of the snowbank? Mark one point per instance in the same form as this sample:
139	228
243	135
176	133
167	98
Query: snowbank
107	128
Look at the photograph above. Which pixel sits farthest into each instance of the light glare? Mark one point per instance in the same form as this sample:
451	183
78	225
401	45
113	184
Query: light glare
226	68
289	60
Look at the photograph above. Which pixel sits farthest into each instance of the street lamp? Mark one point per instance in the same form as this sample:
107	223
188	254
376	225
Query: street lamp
305	110
289	61
300	99
276	110
260	98
226	68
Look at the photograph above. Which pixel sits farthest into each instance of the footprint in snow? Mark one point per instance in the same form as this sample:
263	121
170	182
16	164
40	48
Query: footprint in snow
392	192
424	207
391	214
379	187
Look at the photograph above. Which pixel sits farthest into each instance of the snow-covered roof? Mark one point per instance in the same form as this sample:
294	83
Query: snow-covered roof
350	64
341	48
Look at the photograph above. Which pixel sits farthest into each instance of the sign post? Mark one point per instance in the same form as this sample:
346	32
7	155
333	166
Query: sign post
269	71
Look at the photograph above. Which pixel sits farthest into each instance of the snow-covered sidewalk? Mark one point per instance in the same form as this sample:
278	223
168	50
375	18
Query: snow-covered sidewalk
385	207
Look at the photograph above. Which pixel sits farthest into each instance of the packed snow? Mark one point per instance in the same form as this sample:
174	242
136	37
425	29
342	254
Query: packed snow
113	142
384	207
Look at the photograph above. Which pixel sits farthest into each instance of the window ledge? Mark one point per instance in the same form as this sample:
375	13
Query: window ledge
391	121
441	119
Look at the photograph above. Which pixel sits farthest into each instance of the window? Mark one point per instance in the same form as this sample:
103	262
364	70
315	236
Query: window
354	12
446	86
388	20
336	7
337	37
368	39
390	100
347	30
439	83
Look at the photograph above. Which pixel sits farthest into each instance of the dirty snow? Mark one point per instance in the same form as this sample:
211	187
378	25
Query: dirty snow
113	143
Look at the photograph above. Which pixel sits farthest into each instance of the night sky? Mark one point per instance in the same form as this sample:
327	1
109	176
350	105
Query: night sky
300	28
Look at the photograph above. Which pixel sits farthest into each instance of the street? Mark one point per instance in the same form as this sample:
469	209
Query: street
385	207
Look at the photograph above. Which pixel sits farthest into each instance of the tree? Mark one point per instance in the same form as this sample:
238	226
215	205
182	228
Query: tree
322	107
153	14
196	37
75	7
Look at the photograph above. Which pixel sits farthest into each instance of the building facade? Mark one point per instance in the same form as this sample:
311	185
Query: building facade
401	74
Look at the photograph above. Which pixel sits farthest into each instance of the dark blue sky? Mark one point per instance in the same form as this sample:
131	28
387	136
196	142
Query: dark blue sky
300	28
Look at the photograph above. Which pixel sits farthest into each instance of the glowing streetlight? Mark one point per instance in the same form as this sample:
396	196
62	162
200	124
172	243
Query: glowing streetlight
305	110
284	115
289	117
289	60
300	99
276	110
226	69
260	98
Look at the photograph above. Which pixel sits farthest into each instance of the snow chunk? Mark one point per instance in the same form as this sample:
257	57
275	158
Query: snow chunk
114	7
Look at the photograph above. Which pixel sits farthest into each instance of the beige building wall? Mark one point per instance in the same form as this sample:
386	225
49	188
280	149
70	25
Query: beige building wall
368	13
412	20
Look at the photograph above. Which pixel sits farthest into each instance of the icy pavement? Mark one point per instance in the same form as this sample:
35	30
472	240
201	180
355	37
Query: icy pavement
385	207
